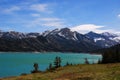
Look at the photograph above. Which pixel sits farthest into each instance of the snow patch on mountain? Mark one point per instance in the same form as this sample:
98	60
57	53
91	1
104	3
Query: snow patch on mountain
60	34
75	37
46	33
117	39
110	35
98	39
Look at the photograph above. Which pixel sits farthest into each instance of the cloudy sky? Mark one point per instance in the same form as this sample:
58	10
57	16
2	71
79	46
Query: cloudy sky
79	15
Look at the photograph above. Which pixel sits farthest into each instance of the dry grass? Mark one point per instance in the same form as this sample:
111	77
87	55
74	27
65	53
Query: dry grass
77	72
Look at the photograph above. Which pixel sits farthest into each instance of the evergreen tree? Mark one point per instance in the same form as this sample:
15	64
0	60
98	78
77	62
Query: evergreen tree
50	66
86	61
57	62
99	61
111	55
67	64
71	64
35	66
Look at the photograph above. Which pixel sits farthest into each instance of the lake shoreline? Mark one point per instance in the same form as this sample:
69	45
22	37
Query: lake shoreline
19	63
54	52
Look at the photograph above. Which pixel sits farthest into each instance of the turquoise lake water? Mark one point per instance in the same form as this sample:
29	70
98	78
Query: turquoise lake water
14	64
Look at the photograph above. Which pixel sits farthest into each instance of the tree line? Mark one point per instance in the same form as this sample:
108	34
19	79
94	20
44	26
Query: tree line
111	55
56	64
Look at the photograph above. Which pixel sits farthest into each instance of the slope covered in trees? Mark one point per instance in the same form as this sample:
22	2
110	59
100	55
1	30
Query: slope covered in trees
111	55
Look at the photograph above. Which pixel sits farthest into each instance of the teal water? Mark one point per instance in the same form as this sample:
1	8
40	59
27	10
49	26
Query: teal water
13	64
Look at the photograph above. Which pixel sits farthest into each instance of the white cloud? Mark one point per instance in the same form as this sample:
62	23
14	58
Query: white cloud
35	15
91	27
86	27
54	24
47	22
50	19
119	15
30	6
11	9
40	7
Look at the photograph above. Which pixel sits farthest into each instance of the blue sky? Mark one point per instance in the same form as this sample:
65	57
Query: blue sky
79	15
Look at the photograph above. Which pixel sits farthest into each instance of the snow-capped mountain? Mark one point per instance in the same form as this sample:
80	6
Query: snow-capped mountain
64	33
12	35
64	39
105	39
56	40
17	35
108	34
33	35
46	33
112	36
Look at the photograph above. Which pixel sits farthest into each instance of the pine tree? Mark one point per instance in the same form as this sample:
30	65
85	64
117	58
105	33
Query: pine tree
111	55
50	66
35	66
57	62
86	61
67	64
99	61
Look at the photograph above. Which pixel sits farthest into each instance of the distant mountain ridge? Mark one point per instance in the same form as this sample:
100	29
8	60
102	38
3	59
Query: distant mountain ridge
63	40
105	39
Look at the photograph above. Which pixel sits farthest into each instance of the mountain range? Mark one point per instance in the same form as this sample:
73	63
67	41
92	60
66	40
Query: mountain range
57	40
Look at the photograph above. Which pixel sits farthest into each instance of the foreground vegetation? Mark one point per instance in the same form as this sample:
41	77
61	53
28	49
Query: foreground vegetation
76	72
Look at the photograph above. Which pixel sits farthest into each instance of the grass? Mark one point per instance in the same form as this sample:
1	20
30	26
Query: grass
76	72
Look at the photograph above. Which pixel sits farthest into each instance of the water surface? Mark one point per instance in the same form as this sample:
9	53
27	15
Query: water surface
13	64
